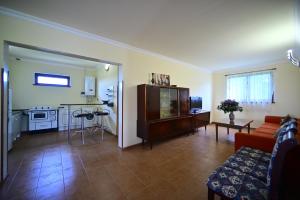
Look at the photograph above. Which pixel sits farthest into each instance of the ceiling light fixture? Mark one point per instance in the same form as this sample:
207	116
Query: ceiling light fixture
291	58
106	67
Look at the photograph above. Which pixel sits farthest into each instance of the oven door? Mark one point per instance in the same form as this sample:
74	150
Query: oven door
39	115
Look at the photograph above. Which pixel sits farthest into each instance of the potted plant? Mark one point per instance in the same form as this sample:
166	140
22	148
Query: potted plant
230	106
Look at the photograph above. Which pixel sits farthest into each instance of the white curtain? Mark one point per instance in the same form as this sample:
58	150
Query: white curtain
251	88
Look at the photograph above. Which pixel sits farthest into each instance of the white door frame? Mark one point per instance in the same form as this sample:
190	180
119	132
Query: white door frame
4	114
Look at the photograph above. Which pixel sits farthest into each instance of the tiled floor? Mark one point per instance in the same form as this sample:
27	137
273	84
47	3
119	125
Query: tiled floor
45	167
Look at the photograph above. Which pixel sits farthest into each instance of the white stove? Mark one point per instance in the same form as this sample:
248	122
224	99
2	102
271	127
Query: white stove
42	117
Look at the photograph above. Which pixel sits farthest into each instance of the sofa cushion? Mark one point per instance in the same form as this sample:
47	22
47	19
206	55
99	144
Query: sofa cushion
285	119
234	184
287	126
254	154
263	134
283	128
254	167
270	126
285	141
266	130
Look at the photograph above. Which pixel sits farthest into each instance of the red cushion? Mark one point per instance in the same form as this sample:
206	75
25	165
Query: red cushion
266	130
270	125
263	134
273	119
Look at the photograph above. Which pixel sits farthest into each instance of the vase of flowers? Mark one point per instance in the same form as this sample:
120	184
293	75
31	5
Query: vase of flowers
230	106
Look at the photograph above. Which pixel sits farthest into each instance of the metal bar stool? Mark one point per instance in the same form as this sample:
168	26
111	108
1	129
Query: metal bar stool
101	114
80	114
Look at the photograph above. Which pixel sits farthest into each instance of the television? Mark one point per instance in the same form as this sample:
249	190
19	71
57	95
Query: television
195	104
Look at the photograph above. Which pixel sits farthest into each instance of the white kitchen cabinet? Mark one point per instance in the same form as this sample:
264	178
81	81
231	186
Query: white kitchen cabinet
90	86
14	128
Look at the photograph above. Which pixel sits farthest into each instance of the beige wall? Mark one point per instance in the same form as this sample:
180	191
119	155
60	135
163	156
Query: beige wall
287	93
140	66
135	69
27	95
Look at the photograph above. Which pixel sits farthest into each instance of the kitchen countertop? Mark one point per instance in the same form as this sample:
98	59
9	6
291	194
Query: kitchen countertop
20	110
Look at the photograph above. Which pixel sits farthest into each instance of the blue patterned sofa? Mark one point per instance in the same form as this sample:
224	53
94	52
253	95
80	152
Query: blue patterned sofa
252	174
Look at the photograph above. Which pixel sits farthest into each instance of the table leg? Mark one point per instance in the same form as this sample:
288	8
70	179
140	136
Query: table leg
240	130
248	128
227	130
217	132
69	122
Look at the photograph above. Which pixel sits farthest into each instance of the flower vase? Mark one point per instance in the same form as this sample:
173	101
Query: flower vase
231	116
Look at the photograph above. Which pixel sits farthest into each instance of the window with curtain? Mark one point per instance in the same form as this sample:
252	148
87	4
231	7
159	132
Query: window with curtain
251	88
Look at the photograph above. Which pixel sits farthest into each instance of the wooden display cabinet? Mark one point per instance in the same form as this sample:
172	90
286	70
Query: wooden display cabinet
163	112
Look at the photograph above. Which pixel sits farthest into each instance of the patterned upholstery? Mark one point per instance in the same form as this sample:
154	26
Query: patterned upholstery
234	184
250	166
248	173
254	154
280	138
242	176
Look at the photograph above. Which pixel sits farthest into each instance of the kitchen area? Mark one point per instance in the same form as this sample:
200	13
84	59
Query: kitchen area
43	85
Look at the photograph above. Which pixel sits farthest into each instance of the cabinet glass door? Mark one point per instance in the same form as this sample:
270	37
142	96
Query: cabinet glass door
168	103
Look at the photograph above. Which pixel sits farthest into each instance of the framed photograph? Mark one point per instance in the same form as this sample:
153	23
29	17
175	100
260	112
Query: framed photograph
160	79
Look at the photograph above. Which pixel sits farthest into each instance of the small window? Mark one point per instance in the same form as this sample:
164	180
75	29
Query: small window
251	88
51	80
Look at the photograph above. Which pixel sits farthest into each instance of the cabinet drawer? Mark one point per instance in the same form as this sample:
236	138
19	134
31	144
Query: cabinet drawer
160	130
203	116
42	125
183	125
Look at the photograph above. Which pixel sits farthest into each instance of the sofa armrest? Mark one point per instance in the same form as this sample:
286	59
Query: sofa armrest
273	119
257	142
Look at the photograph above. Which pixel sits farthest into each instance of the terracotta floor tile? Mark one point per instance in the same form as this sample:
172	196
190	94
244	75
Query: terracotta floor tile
46	167
23	186
51	191
50	178
27	195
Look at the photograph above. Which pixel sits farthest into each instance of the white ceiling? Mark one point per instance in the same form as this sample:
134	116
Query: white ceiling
51	58
212	34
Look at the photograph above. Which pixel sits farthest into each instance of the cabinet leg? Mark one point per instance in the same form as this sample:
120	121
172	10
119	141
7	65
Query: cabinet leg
227	131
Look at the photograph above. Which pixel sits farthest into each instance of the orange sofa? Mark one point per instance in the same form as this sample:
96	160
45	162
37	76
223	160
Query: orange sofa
262	138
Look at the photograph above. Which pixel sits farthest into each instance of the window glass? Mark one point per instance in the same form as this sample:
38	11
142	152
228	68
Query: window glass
251	87
52	80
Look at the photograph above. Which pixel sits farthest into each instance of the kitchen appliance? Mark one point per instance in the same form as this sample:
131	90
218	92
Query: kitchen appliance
89	86
42	117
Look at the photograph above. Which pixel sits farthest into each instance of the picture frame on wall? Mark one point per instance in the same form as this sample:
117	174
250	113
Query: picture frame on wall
160	79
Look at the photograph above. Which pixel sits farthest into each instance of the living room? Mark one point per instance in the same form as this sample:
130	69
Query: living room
223	39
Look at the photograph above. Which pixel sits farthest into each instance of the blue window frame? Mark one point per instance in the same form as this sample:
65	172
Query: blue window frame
51	80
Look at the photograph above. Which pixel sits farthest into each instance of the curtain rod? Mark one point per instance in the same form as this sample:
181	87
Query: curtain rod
251	72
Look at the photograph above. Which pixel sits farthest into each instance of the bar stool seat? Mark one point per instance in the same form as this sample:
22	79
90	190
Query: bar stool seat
87	115
101	114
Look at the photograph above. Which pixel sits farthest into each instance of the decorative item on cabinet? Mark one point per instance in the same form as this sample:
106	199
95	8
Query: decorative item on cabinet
159	79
